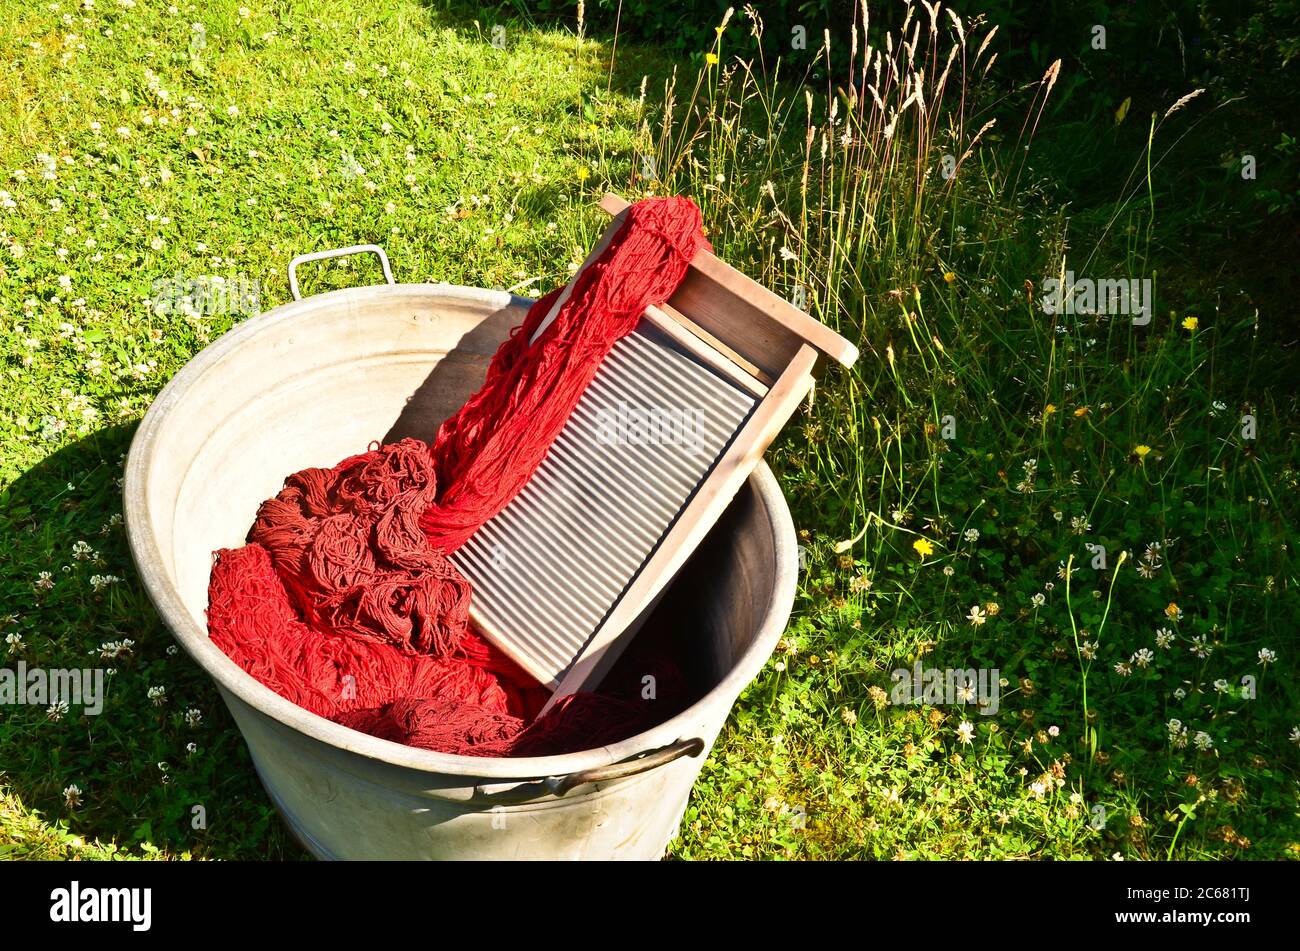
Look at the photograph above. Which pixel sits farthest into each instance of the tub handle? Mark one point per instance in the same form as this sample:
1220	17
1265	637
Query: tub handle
560	785
337	253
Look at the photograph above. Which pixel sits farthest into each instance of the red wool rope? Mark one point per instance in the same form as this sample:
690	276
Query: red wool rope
344	601
487	452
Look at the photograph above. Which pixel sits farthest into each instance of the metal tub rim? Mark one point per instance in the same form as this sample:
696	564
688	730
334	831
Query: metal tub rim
230	677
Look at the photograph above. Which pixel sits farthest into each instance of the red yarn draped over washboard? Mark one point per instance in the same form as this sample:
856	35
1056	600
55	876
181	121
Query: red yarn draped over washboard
344	602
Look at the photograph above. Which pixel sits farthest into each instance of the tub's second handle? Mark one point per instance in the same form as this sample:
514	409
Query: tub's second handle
337	253
560	785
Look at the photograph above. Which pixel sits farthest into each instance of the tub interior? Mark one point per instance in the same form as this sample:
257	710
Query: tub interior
313	383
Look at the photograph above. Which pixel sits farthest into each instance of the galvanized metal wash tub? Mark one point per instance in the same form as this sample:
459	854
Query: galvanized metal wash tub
313	381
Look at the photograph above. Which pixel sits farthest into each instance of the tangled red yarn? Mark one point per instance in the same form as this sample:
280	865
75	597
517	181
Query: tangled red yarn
344	602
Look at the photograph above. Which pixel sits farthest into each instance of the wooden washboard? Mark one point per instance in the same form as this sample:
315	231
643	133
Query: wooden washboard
566	573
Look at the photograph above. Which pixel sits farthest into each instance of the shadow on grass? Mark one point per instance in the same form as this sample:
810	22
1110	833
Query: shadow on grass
631	60
139	781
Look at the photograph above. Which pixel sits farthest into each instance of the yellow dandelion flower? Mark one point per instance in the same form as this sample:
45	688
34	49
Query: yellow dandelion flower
1081	411
1191	323
1173	611
711	59
1048	410
1141	451
584	173
923	548
949	276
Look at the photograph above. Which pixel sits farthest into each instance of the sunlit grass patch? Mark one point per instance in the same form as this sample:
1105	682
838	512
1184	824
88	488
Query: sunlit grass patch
1101	511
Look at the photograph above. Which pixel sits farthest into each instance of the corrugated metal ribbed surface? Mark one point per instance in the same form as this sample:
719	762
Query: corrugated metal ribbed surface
645	434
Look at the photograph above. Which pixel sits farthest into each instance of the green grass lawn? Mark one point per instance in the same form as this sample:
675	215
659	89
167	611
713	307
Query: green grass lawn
945	490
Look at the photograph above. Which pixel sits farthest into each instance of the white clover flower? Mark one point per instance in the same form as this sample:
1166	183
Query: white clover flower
965	732
1038	600
158	695
72	795
193	717
1123	669
111	650
1143	657
1266	656
1221	686
972	534
1164	637
1200	647
976	616
1202	741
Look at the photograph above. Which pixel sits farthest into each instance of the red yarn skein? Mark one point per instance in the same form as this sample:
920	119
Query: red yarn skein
344	601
